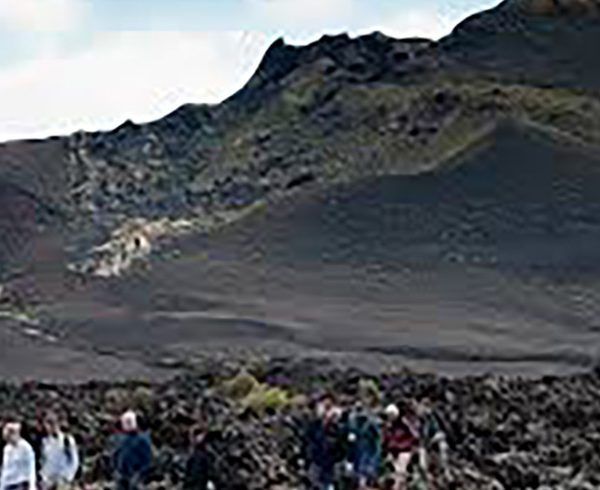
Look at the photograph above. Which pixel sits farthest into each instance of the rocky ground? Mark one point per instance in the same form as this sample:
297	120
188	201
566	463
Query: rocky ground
505	432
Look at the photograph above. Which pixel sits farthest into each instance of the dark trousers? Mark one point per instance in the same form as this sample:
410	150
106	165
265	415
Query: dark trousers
18	486
321	477
129	483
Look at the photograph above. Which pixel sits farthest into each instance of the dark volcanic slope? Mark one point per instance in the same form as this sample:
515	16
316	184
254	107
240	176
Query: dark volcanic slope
464	265
435	200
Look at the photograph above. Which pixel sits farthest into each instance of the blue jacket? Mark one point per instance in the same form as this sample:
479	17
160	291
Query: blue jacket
366	448
133	454
322	443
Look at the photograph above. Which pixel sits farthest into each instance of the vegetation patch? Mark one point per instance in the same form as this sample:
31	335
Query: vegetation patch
251	394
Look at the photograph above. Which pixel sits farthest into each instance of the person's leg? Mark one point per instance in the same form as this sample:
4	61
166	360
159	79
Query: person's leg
371	470
423	460
401	463
123	484
424	465
443	444
317	477
363	482
442	450
136	483
327	477
360	479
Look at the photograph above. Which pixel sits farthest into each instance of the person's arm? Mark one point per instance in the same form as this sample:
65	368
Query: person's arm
378	438
3	474
43	457
114	452
71	470
32	476
308	443
146	456
413	427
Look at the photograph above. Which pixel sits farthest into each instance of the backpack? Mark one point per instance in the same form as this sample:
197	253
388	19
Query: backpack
69	449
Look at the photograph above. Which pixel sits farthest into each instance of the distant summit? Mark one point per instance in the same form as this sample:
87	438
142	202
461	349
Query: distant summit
571	8
535	42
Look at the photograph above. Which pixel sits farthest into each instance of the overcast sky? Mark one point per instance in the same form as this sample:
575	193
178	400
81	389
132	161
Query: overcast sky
90	64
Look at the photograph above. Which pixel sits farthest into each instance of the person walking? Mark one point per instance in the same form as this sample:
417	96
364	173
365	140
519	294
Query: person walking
401	441
59	456
322	444
433	440
365	437
199	470
132	456
18	461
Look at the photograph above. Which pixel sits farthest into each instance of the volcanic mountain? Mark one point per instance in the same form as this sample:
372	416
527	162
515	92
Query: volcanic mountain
430	202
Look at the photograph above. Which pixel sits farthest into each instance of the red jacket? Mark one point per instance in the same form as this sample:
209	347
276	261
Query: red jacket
401	436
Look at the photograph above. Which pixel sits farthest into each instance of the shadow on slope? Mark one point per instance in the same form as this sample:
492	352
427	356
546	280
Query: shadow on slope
32	188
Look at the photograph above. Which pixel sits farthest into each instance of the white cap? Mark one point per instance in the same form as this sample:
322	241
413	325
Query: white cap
392	410
129	421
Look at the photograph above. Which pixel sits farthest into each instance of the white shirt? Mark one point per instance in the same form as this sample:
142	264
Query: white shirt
59	463
18	465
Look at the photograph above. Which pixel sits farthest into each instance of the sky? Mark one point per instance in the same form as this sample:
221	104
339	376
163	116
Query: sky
67	65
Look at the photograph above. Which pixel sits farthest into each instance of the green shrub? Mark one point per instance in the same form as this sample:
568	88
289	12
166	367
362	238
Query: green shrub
240	386
264	398
368	391
253	395
142	398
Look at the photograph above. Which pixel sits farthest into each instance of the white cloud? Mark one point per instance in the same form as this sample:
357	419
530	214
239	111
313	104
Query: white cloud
303	21
302	13
42	15
140	75
424	22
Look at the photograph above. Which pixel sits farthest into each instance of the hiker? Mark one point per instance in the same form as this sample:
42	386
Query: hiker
18	461
199	470
365	437
401	441
322	444
132	455
59	456
35	436
433	438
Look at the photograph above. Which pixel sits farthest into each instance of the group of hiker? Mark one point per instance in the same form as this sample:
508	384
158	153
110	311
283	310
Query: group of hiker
52	461
368	447
360	447
57	453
